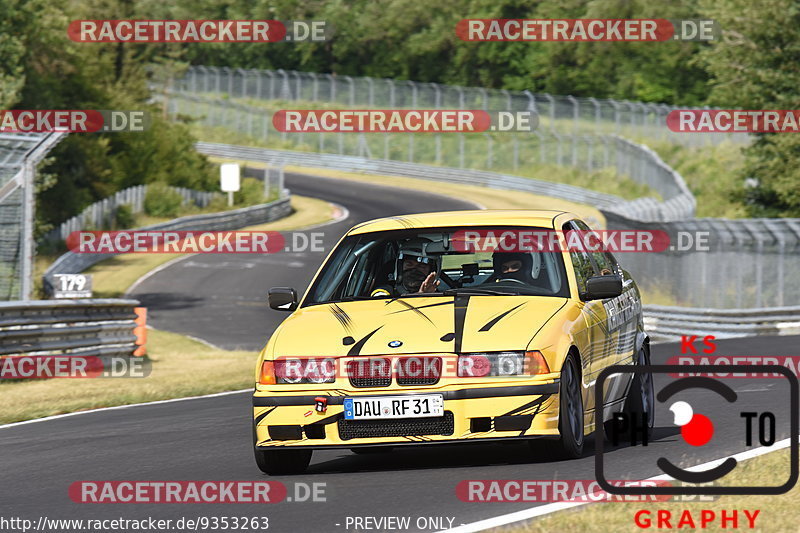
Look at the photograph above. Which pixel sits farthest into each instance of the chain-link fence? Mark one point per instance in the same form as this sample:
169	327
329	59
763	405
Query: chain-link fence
720	263
102	214
748	263
558	113
495	152
19	155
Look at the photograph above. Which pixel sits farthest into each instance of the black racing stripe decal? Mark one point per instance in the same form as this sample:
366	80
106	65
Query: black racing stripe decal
327	420
489	325
410	307
539	409
403	222
263	415
528	405
460	304
341	316
356	349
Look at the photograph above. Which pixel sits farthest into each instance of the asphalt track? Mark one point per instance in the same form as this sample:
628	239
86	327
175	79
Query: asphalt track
210	438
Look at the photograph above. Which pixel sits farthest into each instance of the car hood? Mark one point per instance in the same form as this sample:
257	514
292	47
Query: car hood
415	325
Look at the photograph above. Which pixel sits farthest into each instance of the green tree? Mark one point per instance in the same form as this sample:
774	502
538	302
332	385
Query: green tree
755	67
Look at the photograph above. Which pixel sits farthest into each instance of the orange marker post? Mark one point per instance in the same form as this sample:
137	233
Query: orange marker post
140	330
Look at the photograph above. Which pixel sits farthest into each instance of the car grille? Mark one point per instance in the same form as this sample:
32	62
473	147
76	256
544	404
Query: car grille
359	429
373	372
419	370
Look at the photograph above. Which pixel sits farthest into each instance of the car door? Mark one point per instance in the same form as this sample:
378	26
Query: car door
614	322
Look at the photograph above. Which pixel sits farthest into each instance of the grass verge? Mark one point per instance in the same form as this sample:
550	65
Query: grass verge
712	174
604	180
777	513
213	370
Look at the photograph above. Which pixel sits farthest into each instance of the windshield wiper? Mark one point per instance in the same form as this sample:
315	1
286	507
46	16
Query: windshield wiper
354	298
471	291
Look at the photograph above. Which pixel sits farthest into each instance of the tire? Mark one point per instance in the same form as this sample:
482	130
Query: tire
569	445
371	450
640	399
281	462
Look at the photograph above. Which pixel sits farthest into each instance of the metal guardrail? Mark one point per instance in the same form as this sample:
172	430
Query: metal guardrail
73	263
670	323
69	327
679	204
100	214
471	152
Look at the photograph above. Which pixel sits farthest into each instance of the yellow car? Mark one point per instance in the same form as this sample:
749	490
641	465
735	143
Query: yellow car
430	328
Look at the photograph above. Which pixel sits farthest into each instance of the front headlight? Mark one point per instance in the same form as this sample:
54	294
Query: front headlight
478	365
298	370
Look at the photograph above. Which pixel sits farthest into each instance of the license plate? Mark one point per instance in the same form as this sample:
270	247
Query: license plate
375	407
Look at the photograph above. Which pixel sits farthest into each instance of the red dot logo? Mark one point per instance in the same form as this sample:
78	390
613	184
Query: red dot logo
696	429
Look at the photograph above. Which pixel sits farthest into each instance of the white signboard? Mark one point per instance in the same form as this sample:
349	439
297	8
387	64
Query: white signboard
229	177
72	286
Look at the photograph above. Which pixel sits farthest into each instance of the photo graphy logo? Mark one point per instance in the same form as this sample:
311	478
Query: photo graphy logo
699	423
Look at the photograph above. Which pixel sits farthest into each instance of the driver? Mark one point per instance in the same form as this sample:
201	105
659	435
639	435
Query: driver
415	270
516	266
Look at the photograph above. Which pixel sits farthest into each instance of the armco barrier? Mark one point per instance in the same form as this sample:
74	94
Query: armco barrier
72	263
678	202
68	327
100	214
670	323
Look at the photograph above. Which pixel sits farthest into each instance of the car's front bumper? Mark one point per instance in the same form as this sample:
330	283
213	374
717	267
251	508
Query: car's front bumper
471	414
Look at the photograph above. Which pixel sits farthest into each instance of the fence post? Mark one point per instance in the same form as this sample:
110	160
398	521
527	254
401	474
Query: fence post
552	110
332	81
352	90
391	93
575	112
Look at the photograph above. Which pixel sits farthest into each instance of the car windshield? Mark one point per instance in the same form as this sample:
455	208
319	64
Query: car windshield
408	263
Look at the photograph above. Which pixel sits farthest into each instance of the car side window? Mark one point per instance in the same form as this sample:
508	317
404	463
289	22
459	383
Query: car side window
604	262
581	263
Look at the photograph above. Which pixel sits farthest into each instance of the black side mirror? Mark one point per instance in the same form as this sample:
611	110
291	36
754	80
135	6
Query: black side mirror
602	287
282	298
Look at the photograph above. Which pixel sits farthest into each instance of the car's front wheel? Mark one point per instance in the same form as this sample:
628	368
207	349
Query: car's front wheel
570	418
639	404
279	462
